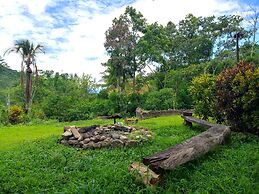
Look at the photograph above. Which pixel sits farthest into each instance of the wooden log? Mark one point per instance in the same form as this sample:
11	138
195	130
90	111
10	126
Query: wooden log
187	113
144	174
190	119
188	150
187	123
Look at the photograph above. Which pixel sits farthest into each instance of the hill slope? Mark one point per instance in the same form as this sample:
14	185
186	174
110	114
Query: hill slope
8	77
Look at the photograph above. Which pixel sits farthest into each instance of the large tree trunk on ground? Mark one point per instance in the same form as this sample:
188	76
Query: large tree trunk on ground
188	150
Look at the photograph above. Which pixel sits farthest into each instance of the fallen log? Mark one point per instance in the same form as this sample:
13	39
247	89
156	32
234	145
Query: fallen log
188	150
188	120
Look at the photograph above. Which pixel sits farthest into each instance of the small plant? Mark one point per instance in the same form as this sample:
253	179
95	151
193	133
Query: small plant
15	114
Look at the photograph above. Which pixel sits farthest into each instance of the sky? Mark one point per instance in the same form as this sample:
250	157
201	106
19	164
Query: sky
73	31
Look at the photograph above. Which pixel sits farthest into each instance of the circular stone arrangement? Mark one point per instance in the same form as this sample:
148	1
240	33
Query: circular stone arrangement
97	136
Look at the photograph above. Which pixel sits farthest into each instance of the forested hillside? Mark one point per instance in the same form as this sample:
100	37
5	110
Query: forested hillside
8	77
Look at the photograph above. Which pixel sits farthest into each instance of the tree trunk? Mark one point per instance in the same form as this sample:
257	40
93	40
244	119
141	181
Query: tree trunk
188	150
123	84
28	89
134	82
22	75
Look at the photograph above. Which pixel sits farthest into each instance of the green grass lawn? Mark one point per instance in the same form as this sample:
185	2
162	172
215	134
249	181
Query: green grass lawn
11	137
32	161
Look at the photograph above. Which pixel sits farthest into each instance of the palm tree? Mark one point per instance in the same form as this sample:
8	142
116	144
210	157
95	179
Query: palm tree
28	53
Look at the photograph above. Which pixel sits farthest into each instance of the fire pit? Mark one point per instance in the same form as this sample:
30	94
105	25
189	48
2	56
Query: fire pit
97	136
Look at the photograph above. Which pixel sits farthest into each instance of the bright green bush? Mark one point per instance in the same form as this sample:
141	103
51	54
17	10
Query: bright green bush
237	93
202	90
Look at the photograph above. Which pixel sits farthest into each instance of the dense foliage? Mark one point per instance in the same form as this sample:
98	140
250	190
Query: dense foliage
203	94
151	66
191	64
237	93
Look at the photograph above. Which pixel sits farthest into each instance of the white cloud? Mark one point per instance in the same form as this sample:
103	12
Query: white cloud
164	11
76	46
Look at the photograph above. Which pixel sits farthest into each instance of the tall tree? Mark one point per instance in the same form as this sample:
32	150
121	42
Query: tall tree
28	52
117	46
225	29
137	27
121	43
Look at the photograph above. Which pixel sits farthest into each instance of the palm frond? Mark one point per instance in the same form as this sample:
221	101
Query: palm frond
39	49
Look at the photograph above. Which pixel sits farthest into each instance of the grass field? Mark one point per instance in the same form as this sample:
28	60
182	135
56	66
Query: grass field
32	161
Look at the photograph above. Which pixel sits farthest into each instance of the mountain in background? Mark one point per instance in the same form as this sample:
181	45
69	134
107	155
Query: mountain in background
8	77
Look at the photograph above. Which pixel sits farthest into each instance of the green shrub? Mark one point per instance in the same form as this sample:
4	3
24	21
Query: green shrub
133	101
4	115
16	114
202	90
36	113
237	93
159	100
99	107
183	99
117	103
56	107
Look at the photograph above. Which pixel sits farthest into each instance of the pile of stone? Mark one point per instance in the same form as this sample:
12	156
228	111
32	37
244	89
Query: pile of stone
97	136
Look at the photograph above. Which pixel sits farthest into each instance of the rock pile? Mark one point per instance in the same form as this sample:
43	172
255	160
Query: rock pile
97	136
